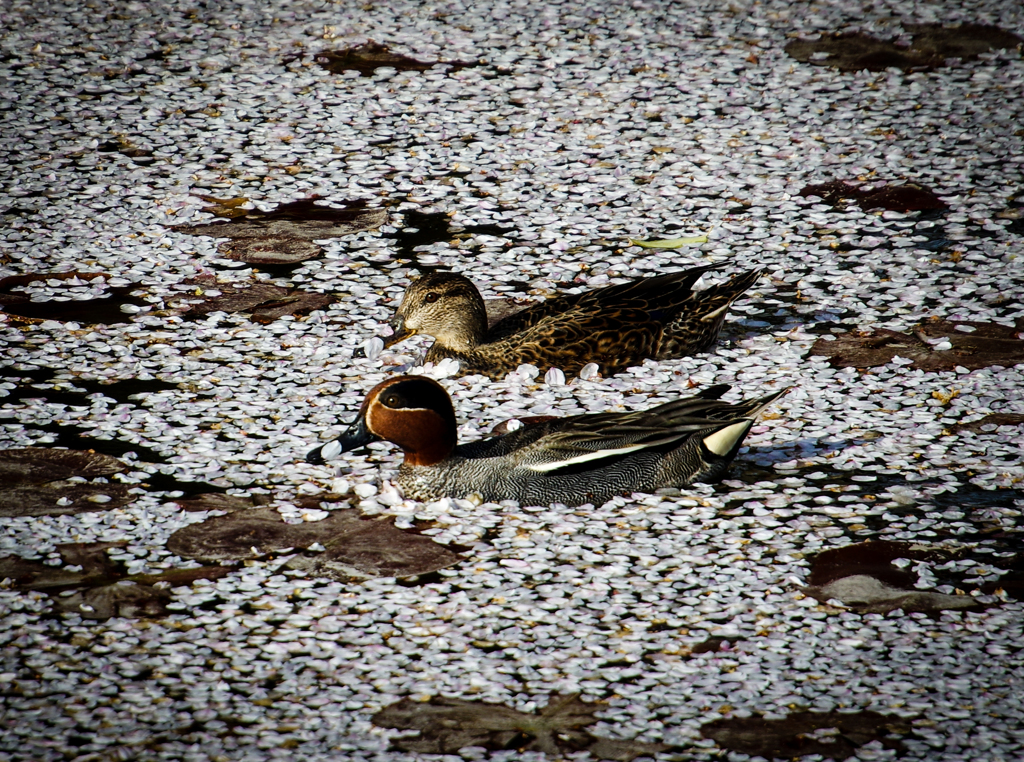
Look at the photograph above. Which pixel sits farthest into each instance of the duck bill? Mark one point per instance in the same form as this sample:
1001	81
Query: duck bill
400	331
355	436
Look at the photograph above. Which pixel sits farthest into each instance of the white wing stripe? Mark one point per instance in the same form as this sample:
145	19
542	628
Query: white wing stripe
596	455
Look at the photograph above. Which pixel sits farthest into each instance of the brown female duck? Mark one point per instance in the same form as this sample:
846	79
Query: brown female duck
616	326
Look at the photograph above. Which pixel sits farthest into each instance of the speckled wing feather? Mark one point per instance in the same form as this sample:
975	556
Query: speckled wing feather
664	291
527	435
695	329
595	438
614	339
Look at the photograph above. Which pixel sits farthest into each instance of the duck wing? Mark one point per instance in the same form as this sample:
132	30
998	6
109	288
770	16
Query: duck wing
598	439
655	296
615	338
523	438
696	328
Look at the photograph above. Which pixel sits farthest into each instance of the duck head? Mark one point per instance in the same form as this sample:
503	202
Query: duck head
414	412
443	305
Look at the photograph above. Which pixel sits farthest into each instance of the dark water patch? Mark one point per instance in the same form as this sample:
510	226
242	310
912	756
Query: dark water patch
19	211
908	197
102	588
989	423
34	481
101	310
787	309
907	500
283	235
1014	212
986	511
265	302
53	394
121	391
124	389
418	580
26	373
420	229
984	522
750	471
157	54
896	503
423	229
1012	582
166	483
902	198
873	558
936	244
833	735
931	215
367	58
76	438
977	230
761	460
881	576
932	346
1016	227
521	286
932	46
661	626
355	547
493	72
491	229
712	645
447	725
127	149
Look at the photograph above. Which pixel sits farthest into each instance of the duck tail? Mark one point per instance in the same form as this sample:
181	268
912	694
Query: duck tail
750	409
716	300
713	392
667	289
719	446
696	328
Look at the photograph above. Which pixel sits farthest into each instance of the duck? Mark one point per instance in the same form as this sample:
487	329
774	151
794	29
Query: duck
572	460
616	327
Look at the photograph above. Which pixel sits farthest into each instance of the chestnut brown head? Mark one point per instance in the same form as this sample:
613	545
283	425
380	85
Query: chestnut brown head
414	412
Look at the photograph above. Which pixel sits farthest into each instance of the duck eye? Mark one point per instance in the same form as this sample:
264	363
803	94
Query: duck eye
431	297
392	400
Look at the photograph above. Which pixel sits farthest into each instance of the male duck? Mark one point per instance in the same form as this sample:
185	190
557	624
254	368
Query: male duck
616	326
574	460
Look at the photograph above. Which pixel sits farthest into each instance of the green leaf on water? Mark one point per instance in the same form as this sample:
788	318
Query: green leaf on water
669	243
